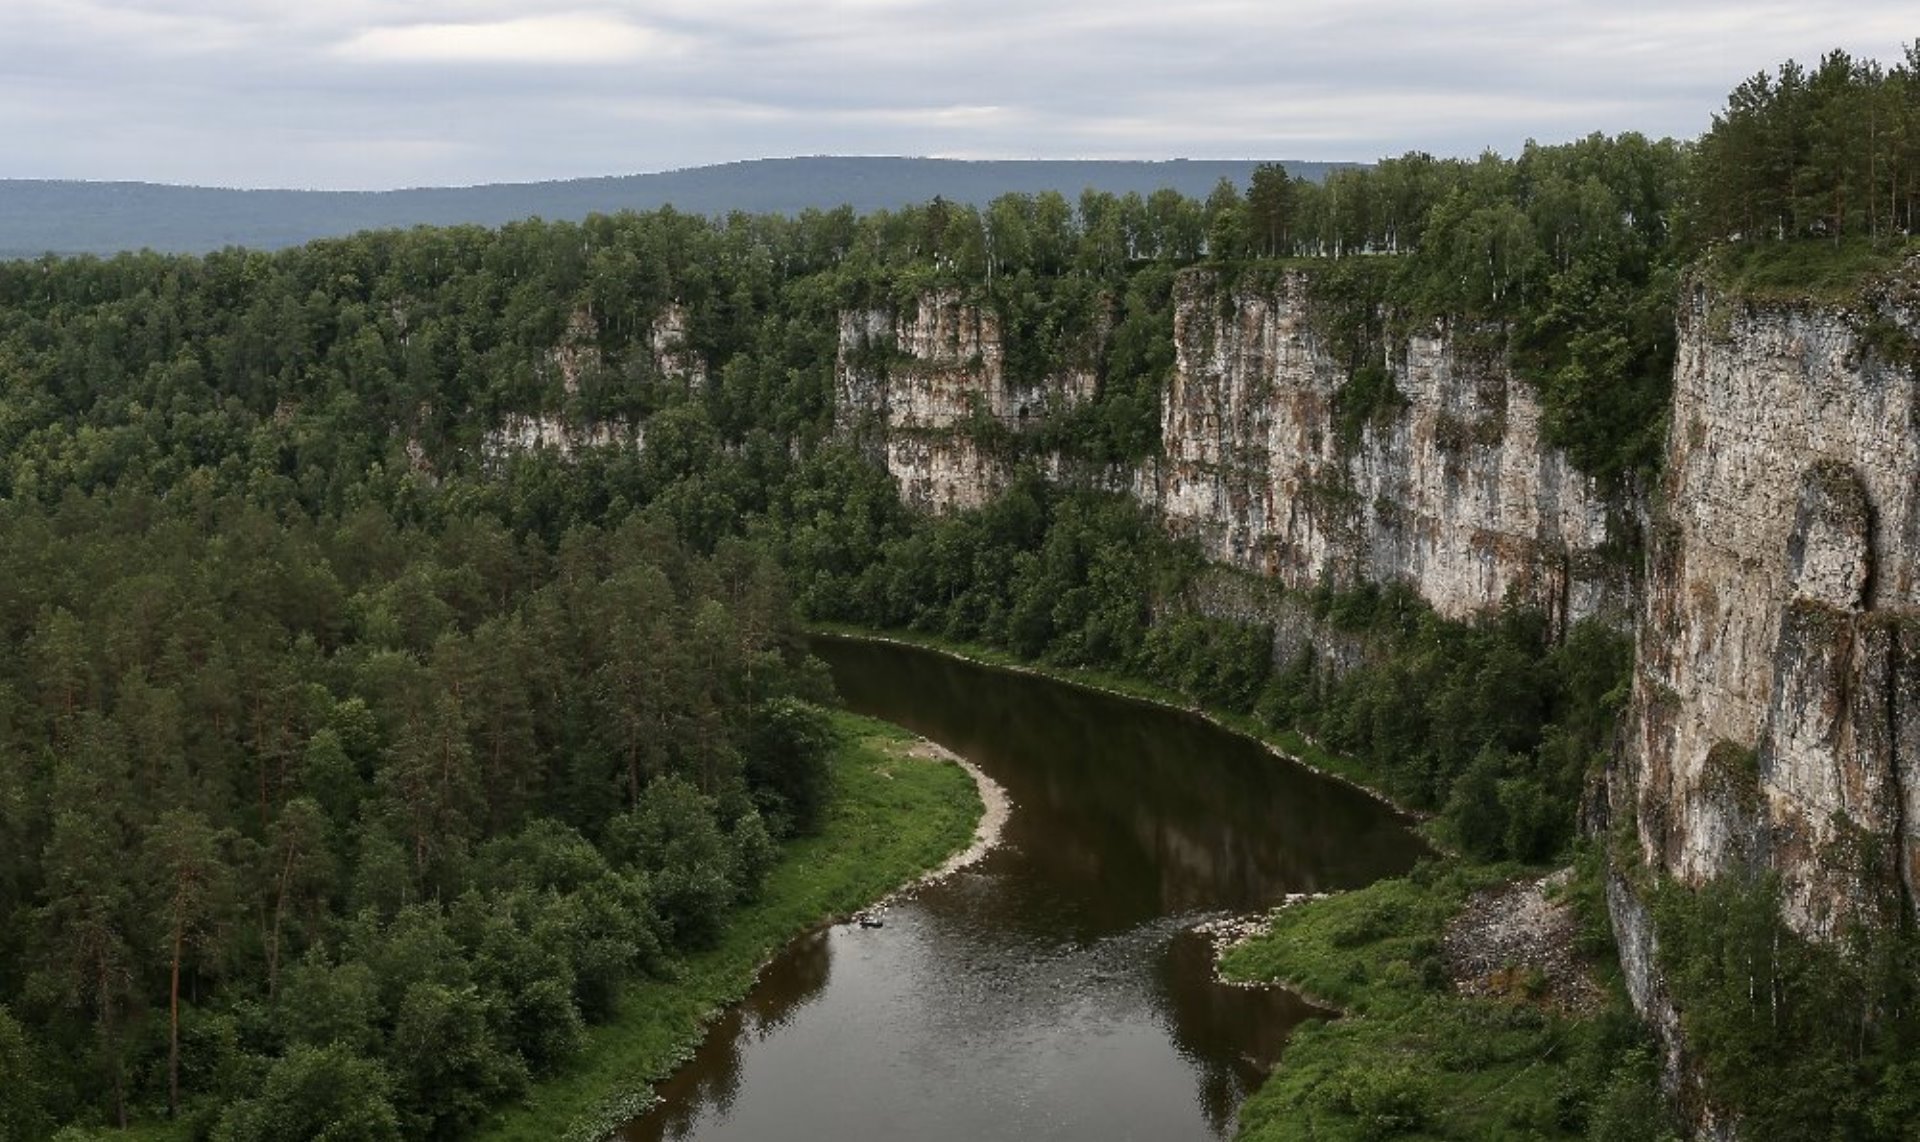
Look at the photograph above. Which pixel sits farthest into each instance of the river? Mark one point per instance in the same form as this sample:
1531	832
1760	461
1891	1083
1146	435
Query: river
1053	990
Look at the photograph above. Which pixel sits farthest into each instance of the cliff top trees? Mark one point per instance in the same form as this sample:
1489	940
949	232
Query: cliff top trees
1829	153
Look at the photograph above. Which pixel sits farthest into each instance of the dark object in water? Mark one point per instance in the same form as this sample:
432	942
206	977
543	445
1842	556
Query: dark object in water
870	921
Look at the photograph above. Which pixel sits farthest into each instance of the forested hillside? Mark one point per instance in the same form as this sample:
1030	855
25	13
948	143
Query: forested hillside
38	216
339	712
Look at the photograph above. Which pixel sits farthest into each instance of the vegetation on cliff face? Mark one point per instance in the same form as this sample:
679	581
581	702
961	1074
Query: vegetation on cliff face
1793	1039
1492	725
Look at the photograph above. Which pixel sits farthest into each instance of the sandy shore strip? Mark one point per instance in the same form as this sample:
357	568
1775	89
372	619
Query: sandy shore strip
993	819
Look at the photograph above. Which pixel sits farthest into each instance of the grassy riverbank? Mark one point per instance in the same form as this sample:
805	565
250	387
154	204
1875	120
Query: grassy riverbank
1415	1058
892	818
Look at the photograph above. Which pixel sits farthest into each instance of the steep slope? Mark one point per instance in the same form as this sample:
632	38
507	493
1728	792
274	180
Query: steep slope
1446	486
1775	722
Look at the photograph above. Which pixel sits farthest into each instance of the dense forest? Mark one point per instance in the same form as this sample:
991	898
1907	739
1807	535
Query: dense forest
335	717
343	797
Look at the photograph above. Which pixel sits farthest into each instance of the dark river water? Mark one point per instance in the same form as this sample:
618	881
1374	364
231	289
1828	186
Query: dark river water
1052	991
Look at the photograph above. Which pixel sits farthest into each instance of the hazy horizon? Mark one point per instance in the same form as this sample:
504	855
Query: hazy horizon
1310	160
373	95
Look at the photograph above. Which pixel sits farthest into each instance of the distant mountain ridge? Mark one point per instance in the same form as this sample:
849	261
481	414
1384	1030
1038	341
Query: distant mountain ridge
45	216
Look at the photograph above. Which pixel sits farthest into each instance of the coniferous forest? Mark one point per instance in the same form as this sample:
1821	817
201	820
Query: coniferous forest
346	746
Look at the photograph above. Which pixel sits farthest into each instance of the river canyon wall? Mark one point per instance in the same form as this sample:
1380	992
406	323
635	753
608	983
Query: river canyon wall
924	390
1448	488
1775	719
1774	722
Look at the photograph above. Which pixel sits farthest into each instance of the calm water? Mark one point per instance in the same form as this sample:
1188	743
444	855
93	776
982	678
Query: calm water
1053	990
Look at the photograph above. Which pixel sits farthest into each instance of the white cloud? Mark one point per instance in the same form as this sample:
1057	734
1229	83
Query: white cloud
567	39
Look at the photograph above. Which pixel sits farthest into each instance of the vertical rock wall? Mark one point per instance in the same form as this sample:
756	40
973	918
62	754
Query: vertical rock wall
1776	708
562	430
926	393
1451	491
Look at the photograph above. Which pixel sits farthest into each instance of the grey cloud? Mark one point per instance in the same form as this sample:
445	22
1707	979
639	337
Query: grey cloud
372	93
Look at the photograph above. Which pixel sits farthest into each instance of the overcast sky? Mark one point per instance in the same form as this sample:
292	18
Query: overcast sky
387	93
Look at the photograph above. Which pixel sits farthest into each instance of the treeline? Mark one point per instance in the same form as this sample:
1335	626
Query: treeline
1794	1039
1829	152
1568	254
344	820
338	714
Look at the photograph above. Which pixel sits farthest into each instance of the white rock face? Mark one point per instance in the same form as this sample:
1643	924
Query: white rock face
926	389
1782	614
577	355
1453	493
521	433
672	355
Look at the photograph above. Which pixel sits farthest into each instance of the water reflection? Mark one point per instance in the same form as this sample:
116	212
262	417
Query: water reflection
1052	991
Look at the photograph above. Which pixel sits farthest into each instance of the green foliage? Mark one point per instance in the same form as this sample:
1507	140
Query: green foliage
1218	663
1827	272
1409	1057
449	1067
1490	723
1368	398
345	711
1828	152
22	1101
891	817
787	760
327	784
1799	1039
326	1094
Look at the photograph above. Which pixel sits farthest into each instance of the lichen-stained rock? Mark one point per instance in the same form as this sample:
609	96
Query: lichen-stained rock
1453	492
1780	582
576	355
924	391
1781	606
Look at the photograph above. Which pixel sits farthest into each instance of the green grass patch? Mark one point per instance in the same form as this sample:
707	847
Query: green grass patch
891	819
1411	1058
1833	273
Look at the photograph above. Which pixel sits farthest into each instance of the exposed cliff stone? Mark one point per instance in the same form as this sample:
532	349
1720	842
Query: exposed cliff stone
1452	491
1775	719
670	342
925	392
1776	704
575	360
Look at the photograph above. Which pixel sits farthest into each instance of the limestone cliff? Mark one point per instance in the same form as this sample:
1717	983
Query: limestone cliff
1775	717
1452	493
575	360
1775	721
1447	487
926	391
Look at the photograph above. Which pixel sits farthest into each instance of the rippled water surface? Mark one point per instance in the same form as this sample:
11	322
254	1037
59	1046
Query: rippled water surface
1053	990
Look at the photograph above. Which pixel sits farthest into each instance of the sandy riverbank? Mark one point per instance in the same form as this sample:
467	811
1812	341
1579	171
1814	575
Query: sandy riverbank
996	807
